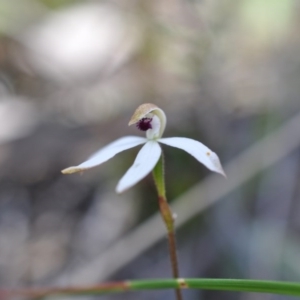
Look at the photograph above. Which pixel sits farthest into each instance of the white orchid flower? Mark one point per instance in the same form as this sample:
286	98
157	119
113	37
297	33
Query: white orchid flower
150	118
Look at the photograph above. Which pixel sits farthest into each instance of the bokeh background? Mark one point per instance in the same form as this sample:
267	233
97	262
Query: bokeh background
226	72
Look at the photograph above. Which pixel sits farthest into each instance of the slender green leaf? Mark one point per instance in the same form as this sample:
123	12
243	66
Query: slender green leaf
236	285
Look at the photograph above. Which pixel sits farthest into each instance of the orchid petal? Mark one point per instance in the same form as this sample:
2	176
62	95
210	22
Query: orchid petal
198	150
106	153
145	161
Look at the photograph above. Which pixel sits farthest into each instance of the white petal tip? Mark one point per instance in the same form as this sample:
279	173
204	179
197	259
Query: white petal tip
222	173
71	170
119	191
121	187
216	164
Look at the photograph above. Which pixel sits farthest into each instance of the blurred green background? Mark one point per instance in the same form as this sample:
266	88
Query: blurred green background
226	73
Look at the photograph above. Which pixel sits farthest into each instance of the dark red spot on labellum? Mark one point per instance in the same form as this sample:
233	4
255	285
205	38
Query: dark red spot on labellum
144	124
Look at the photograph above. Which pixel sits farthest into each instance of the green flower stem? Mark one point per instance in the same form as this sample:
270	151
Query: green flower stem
166	213
159	177
234	285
